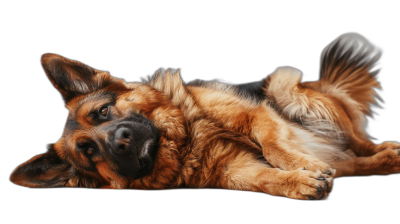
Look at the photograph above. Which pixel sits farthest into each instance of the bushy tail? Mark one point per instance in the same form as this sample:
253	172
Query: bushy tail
347	64
343	94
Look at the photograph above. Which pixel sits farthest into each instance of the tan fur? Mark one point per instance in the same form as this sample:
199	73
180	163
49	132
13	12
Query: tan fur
223	110
213	136
294	102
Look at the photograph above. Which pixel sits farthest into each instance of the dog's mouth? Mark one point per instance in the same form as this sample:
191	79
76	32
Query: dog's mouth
144	167
142	164
144	157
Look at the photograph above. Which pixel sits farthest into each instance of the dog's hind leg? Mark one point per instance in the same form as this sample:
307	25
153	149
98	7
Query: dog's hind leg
318	111
342	96
303	104
383	162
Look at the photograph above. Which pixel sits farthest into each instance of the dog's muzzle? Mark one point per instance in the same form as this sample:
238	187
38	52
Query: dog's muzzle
132	146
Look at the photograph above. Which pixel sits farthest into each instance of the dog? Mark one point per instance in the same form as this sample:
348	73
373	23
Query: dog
279	135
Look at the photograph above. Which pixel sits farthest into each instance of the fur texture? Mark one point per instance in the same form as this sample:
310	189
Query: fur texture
278	136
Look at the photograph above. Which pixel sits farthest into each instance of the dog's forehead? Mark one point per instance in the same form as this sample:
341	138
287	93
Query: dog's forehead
91	100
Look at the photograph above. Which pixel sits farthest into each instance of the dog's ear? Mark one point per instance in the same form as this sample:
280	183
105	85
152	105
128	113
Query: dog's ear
44	170
73	78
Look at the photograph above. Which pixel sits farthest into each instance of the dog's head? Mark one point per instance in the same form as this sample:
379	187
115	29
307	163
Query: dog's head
117	135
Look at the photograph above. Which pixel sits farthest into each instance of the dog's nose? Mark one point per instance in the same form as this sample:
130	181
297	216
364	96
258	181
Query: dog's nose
122	141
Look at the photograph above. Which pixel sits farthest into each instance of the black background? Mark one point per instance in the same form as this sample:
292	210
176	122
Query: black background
230	48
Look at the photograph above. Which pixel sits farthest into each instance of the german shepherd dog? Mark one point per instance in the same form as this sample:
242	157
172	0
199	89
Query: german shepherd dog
279	135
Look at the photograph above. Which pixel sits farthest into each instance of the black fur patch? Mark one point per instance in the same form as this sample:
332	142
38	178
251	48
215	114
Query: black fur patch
252	90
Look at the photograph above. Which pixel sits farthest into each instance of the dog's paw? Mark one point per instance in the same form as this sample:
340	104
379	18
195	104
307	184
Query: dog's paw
313	164
308	185
387	145
387	161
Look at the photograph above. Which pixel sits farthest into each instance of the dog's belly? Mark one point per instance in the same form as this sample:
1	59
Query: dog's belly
320	138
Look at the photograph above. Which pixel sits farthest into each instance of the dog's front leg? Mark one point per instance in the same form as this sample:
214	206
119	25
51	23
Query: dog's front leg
255	176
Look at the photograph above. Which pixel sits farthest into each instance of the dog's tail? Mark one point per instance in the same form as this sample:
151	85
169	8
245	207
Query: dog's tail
347	65
342	96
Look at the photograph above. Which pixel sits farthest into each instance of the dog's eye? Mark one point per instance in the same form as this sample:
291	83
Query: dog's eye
89	151
104	111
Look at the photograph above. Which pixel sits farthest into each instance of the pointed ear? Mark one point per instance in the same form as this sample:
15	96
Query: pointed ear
73	78
45	170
